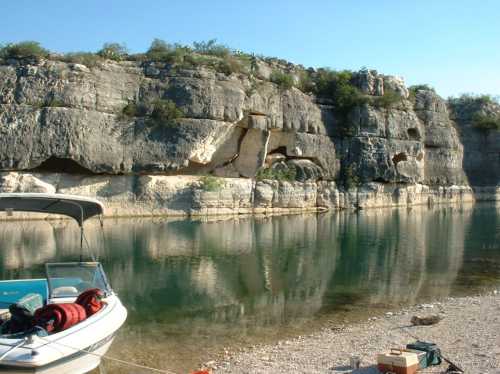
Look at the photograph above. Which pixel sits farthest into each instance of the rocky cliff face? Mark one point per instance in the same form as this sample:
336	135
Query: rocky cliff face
481	161
62	129
225	128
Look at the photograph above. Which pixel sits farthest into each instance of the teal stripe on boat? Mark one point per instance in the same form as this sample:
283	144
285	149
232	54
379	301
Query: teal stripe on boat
13	290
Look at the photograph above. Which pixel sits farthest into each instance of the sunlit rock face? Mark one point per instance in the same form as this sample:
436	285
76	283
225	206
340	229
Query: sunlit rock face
85	126
63	130
443	151
182	195
386	145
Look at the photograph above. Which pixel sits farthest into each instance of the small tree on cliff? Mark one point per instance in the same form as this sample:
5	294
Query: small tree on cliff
113	51
159	50
485	122
164	113
24	49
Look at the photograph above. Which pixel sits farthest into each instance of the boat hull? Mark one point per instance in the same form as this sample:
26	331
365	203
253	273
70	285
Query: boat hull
76	350
75	364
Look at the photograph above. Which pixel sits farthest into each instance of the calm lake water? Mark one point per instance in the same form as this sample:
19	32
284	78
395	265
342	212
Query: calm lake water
193	288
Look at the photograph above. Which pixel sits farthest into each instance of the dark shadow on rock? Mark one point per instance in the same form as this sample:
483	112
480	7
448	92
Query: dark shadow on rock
328	118
62	165
163	132
481	162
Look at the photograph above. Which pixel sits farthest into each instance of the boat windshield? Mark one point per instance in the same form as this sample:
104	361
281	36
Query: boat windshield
72	278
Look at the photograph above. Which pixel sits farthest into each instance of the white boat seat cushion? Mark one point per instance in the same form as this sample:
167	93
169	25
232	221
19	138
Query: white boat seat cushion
4	314
64	291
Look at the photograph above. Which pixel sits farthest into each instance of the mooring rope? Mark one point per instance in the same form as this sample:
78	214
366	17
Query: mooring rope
106	357
13	347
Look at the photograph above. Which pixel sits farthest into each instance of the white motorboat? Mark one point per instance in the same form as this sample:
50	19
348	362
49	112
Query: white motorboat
77	313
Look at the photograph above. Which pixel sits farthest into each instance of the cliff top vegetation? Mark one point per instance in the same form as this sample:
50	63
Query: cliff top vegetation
340	87
481	111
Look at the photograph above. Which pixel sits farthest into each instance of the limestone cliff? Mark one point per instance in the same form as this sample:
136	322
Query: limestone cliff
62	129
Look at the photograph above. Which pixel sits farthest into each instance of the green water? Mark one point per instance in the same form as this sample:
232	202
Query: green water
193	288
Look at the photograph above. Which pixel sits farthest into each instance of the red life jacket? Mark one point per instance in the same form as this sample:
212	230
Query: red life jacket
90	300
59	317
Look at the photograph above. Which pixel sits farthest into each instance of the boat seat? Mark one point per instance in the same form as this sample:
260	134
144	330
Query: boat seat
65	291
4	314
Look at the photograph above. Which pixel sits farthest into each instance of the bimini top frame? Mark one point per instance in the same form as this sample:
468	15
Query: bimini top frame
77	207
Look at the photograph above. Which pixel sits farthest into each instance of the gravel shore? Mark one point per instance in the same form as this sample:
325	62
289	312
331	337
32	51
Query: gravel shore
468	334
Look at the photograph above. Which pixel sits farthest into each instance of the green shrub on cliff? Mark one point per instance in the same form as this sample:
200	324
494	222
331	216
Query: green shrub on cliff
179	55
209	54
230	64
164	113
210	183
418	87
162	51
159	113
282	79
475	109
133	109
421	87
388	100
113	51
211	47
23	50
159	50
338	86
55	103
84	58
486	122
470	102
288	174
306	82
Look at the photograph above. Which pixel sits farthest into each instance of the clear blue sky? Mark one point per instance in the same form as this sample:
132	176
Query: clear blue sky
453	45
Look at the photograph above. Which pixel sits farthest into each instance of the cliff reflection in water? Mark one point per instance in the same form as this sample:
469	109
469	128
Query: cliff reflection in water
263	272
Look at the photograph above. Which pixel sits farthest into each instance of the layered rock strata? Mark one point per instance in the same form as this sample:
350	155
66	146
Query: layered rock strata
62	130
156	195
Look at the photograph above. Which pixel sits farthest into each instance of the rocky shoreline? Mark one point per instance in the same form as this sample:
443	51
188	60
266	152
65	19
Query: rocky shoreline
183	195
467	335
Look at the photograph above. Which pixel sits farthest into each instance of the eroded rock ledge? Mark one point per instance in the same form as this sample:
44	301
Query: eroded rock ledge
154	195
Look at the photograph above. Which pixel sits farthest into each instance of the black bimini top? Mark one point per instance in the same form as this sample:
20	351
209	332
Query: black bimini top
77	207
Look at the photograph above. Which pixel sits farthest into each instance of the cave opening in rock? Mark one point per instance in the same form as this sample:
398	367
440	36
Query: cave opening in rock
399	157
254	113
61	165
413	134
281	150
